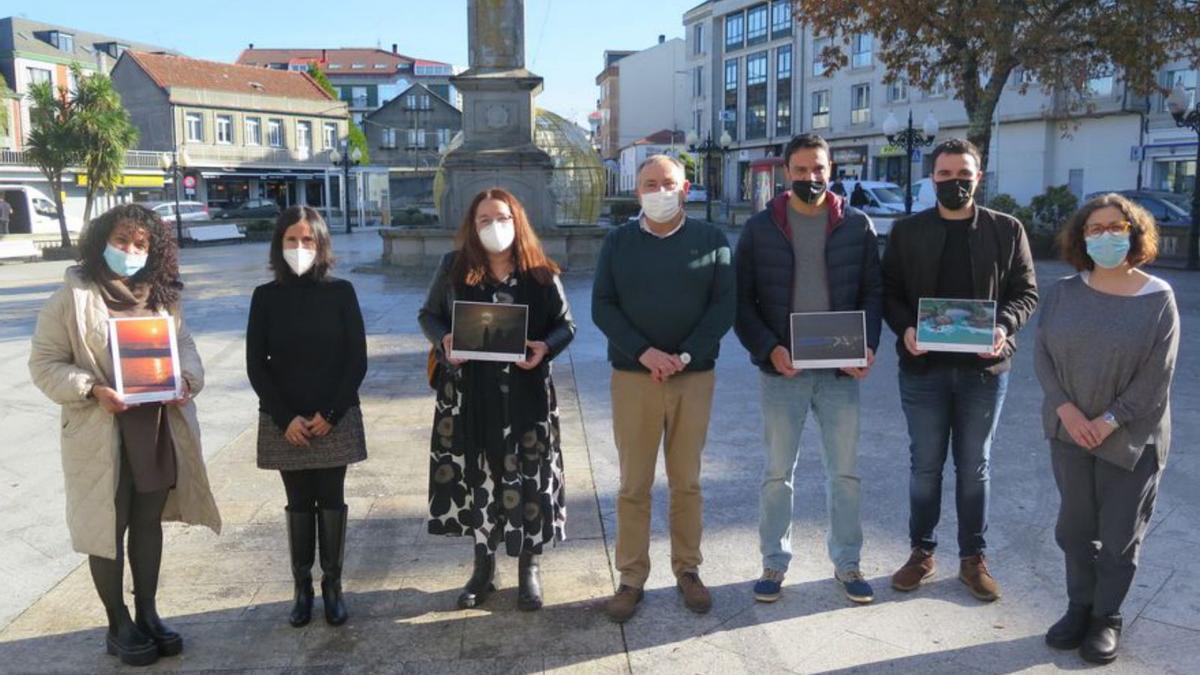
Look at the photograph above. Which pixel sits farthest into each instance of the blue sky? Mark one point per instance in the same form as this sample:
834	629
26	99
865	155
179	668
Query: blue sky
564	39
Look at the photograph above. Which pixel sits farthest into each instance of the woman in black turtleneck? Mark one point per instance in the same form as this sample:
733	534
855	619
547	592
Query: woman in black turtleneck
306	354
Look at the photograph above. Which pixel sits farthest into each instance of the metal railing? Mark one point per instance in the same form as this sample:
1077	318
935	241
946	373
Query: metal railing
149	160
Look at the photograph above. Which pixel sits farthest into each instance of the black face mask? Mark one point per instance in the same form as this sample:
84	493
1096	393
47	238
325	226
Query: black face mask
955	193
809	191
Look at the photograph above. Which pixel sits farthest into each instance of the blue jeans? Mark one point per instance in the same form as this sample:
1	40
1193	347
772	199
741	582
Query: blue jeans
785	404
959	403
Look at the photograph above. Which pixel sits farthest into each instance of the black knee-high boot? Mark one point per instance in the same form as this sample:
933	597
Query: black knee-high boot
480	585
123	639
302	545
331	530
529	582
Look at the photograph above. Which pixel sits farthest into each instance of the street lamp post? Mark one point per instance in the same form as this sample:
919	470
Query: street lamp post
175	163
1179	105
344	159
910	139
708	149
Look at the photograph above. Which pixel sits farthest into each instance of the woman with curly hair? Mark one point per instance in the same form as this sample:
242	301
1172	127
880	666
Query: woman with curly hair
127	467
306	355
496	470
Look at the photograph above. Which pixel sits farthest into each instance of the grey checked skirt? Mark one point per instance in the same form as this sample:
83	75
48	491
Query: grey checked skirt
346	444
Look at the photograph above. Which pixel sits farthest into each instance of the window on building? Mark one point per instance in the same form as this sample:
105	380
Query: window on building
416	138
940	84
358	97
333	66
897	91
781	19
1172	77
63	42
698	39
37	75
275	133
697	121
820	109
380	66
357	66
698	82
253	131
756	25
298	67
194	123
303	135
819	45
783	91
860	104
443	138
729	114
756	95
224	129
1102	84
861	45
735	24
331	135
389	138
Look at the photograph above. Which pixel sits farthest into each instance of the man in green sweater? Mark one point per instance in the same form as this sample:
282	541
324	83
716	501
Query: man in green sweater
664	296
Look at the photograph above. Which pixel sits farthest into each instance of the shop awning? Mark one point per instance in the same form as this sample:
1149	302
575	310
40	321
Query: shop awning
128	180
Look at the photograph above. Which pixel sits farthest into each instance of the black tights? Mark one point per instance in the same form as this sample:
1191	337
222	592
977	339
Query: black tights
314	489
141	514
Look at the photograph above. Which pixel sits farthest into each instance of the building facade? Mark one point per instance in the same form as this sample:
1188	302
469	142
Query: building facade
758	76
365	78
243	132
408	135
654	88
663	142
608	137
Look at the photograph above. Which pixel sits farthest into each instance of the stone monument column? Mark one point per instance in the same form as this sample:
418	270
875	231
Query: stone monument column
498	119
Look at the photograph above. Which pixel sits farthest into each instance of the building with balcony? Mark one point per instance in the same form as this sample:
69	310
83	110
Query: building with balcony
243	132
365	78
408	135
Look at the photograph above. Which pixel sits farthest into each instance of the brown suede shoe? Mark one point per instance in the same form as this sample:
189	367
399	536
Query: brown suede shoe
695	596
919	568
974	573
623	604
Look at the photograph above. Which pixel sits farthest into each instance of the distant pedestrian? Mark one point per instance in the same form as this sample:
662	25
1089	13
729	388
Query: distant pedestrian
5	215
858	197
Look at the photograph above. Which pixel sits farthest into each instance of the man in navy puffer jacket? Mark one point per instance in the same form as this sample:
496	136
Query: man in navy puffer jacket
808	251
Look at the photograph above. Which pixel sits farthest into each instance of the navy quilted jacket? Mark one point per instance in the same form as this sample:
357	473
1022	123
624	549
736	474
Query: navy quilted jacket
765	263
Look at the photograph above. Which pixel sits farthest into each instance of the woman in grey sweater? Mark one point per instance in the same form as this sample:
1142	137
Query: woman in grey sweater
1106	410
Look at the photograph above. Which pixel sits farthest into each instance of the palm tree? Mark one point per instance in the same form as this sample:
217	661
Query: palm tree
53	143
105	134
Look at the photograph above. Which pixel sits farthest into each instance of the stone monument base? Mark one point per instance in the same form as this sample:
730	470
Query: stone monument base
574	248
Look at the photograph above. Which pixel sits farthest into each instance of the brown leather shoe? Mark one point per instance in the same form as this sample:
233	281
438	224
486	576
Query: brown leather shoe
623	604
974	573
695	596
916	571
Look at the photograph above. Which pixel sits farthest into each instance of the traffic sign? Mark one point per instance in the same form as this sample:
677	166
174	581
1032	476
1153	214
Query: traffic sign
189	182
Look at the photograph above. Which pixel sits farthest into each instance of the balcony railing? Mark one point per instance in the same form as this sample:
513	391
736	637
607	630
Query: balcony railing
224	156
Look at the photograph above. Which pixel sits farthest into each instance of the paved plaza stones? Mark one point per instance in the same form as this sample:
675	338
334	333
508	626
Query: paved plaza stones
229	594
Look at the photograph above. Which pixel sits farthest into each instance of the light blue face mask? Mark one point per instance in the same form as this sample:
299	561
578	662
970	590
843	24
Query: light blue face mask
1108	250
123	264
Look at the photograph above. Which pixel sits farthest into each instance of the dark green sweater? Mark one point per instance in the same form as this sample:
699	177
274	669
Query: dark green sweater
674	294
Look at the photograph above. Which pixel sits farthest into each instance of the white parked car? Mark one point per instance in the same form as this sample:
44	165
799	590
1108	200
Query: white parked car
189	211
697	193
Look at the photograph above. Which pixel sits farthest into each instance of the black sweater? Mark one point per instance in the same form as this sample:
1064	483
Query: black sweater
306	348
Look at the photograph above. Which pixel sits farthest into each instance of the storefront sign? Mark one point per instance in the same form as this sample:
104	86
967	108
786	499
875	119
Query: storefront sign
127	180
855	154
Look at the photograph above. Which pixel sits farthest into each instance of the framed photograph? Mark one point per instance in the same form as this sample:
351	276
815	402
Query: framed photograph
145	359
829	340
485	331
951	325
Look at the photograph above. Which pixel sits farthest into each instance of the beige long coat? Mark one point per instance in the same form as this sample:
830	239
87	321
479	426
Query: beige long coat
70	354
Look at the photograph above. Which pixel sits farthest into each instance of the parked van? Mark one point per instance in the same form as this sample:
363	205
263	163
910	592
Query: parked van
32	211
883	198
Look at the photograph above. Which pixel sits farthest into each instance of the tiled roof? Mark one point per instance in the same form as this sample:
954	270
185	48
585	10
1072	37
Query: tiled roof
335	61
178	71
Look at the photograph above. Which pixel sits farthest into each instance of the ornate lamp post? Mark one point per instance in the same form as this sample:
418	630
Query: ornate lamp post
175	163
709	149
1179	105
345	159
910	139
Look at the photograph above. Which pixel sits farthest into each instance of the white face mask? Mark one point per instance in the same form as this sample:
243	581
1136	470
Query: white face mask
661	207
498	235
299	259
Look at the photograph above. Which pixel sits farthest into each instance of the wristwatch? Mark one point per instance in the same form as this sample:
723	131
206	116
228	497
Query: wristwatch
685	357
1111	420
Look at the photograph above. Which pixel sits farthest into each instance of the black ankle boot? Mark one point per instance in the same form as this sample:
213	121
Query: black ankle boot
302	544
126	642
169	642
529	583
1068	632
331	531
1102	639
480	585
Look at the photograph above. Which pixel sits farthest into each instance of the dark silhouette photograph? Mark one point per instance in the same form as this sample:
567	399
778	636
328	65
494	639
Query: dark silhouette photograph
484	331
